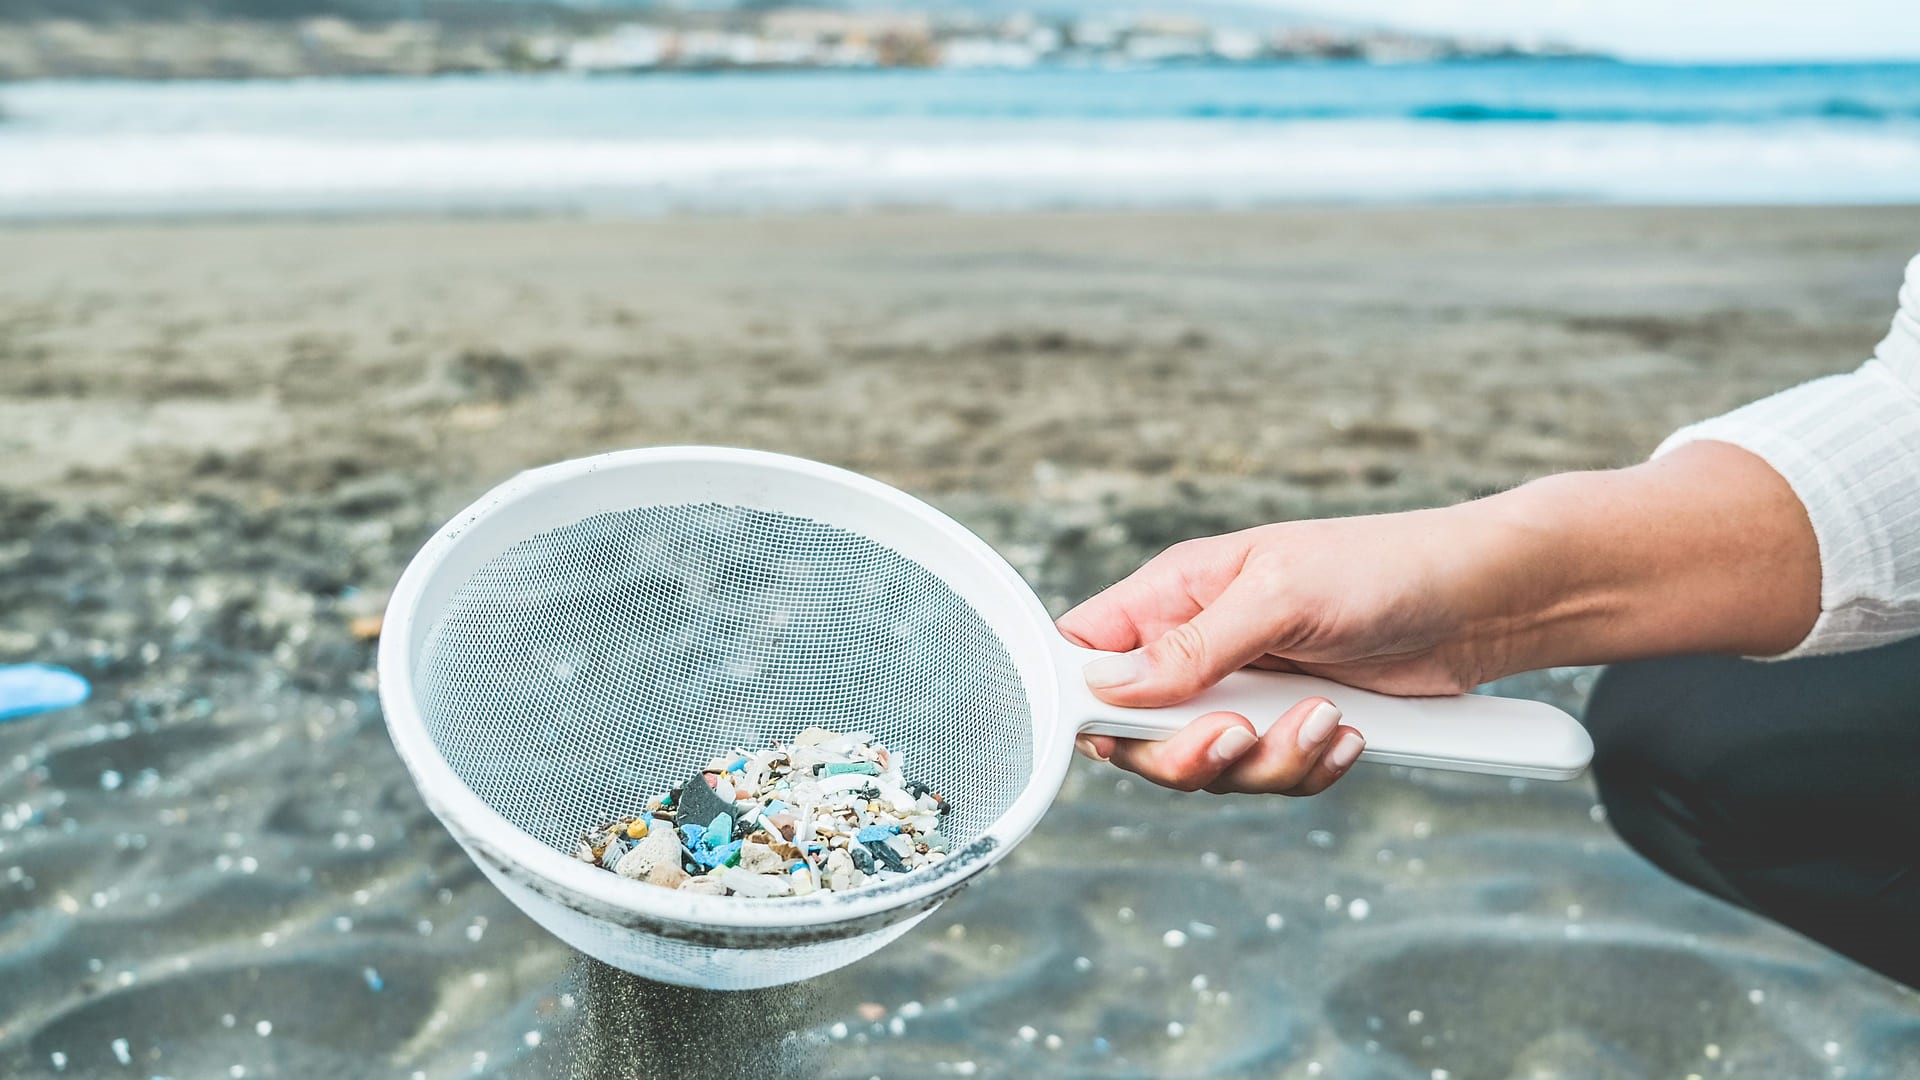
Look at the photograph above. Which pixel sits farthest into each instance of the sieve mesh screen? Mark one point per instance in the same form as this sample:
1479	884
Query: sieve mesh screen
591	666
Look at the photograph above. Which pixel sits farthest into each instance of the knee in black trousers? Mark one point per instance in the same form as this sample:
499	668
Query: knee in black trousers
1789	788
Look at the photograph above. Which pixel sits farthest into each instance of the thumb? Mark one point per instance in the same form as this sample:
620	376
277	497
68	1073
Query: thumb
1238	627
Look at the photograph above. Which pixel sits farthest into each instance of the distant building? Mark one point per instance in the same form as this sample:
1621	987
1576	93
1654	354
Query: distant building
1387	48
1154	39
1096	34
713	48
1238	46
982	52
828	26
626	48
1161	48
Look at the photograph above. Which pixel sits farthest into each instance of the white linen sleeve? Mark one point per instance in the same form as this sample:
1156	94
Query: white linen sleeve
1849	445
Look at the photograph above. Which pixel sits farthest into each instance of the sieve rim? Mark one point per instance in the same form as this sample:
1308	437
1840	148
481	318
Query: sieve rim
484	833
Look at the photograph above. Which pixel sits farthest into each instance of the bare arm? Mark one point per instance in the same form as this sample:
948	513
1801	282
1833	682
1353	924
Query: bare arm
1703	550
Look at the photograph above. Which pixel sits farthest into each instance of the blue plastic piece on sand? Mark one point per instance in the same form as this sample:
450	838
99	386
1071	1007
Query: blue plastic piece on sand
26	689
875	832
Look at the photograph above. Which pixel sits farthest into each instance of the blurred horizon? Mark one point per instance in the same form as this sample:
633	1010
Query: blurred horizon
1165	137
1770	31
626	108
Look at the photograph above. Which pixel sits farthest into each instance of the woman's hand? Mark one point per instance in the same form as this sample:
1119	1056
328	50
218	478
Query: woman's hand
1704	550
1381	602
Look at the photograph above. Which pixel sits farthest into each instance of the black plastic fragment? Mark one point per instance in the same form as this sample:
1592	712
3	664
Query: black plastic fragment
917	788
698	805
885	854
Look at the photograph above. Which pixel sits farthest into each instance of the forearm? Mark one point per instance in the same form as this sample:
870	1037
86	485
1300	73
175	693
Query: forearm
1706	549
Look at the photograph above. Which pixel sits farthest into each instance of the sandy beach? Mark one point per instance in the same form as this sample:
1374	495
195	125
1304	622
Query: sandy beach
223	440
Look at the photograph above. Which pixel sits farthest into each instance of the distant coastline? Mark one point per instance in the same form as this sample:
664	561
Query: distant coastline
1051	137
543	38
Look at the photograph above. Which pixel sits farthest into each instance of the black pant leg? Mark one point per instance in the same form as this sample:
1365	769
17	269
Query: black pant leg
1790	788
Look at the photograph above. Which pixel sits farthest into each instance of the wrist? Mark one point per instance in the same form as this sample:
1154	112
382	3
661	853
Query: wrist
1521	602
1548	601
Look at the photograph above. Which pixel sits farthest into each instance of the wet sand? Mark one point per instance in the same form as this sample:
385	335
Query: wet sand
222	442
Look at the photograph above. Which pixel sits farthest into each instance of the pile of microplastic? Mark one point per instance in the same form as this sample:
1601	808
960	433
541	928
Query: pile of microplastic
826	811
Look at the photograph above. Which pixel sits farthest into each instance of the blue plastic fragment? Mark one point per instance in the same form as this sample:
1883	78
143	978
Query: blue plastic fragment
27	689
374	982
739	765
720	856
775	806
693	834
721	826
875	832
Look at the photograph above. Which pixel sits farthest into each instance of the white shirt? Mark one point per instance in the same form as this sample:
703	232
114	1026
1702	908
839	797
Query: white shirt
1850	447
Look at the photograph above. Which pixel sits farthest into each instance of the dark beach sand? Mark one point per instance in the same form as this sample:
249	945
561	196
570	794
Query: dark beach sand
221	442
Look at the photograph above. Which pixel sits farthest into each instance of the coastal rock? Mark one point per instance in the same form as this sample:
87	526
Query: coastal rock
654	860
841	874
704	885
760	859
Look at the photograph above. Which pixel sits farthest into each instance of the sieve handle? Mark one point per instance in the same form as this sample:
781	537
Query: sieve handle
1463	733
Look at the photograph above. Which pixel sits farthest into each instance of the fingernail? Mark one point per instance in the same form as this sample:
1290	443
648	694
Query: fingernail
1087	749
1345	752
1230	744
1111	671
1318	725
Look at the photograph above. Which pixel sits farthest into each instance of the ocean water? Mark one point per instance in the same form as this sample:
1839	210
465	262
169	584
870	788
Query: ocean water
1182	137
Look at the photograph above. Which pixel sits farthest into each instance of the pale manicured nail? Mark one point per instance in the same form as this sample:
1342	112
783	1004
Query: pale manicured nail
1087	749
1345	752
1230	744
1318	725
1118	670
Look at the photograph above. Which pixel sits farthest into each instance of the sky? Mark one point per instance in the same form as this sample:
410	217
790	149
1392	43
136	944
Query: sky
1667	29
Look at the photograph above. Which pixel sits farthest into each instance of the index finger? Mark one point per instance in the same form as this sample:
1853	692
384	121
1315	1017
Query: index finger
1131	612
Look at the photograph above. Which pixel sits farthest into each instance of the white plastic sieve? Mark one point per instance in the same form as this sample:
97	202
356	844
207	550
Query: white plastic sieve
586	635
